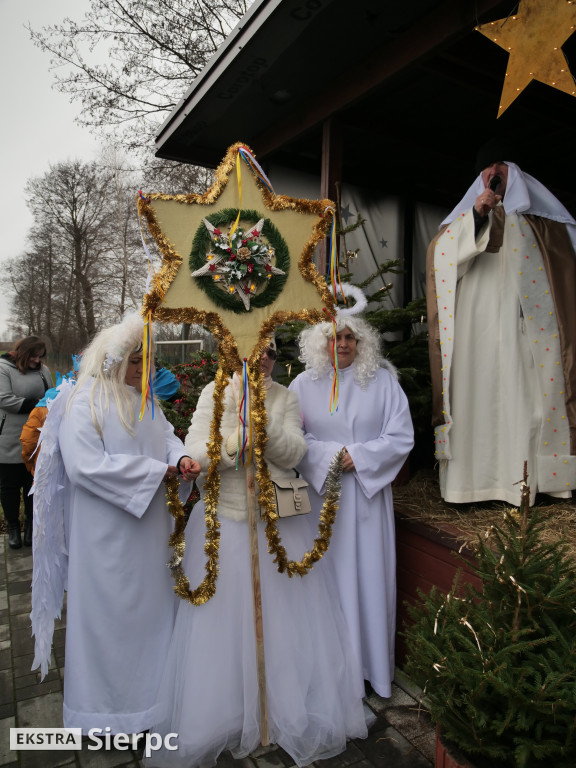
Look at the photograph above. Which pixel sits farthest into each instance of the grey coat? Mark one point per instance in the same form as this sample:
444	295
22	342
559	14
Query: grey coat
17	391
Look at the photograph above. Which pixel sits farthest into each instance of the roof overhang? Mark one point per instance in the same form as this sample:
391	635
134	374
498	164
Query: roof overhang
411	89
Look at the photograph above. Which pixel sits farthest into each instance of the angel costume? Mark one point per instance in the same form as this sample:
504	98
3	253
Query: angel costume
210	680
502	320
375	426
121	605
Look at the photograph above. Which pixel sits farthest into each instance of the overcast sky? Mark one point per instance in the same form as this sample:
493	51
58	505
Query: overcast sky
37	127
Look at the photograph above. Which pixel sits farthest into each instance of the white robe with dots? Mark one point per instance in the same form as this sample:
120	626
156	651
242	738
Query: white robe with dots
503	381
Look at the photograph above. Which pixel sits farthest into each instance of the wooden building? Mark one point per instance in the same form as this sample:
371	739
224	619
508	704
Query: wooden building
387	99
383	105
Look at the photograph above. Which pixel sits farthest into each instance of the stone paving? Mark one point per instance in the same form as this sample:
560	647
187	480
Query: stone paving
401	737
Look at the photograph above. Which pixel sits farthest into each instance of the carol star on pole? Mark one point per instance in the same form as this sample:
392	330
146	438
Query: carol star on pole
288	231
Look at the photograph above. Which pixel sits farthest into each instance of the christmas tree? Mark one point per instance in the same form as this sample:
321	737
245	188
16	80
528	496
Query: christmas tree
498	666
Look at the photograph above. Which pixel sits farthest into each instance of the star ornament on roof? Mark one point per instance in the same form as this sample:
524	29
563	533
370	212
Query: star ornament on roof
533	38
237	259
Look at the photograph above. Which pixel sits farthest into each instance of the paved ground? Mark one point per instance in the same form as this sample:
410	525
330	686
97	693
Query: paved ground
401	737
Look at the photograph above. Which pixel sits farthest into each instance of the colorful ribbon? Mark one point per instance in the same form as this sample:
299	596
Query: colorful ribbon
334	268
239	175
254	166
256	169
335	378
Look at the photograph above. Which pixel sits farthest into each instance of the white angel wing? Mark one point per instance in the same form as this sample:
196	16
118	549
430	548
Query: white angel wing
49	544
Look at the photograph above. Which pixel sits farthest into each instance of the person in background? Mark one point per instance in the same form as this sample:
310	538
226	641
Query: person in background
30	434
373	423
23	381
120	601
502	333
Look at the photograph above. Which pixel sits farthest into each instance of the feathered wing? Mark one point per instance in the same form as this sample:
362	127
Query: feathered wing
50	551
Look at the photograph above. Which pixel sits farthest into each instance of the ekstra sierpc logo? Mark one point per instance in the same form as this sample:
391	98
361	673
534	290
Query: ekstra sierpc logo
46	738
71	738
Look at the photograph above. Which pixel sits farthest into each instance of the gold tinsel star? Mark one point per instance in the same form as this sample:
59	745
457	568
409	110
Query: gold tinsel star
176	296
533	38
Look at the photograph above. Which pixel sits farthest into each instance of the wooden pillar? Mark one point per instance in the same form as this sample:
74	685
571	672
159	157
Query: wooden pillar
330	176
257	602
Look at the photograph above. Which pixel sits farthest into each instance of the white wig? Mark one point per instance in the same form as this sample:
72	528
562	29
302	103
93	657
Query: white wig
104	362
314	349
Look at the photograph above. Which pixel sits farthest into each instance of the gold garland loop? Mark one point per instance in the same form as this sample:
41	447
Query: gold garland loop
266	499
207	588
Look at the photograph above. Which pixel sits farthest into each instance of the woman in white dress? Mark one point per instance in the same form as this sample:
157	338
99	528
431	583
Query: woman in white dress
120	605
373	423
211	679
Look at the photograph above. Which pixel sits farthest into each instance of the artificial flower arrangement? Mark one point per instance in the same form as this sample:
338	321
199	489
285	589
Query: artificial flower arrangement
239	260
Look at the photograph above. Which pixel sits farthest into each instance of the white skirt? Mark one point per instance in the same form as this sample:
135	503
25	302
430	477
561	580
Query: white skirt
210	684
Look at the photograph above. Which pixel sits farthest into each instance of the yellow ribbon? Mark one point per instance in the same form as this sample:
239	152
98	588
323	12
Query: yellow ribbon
238	173
146	367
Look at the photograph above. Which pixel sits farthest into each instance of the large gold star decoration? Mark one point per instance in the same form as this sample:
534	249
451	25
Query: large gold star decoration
178	221
239	222
533	38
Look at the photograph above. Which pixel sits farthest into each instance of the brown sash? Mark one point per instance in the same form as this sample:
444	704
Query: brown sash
496	230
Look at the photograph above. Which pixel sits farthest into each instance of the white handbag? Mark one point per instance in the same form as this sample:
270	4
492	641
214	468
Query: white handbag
291	496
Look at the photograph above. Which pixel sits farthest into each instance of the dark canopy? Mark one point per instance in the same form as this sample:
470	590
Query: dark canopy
396	94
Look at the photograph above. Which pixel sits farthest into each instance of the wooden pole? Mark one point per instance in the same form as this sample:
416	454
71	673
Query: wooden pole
257	601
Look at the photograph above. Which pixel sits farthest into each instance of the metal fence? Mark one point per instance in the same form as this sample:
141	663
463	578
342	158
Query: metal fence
171	352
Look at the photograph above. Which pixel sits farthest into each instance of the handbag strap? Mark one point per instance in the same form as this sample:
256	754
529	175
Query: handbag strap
46	385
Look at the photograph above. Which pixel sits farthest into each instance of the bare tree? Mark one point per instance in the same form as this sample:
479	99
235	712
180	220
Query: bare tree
85	264
152	49
64	284
72	199
174	178
28	285
41	290
125	263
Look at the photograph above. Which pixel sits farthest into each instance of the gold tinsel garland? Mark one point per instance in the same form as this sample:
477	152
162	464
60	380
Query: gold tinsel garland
266	499
207	588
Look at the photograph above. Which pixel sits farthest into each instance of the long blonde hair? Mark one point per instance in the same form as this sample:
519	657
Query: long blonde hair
103	368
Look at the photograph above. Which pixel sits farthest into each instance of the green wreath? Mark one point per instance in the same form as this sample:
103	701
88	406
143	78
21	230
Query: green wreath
201	246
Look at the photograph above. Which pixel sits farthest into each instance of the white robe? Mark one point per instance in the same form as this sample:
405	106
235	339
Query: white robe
210	678
121	604
375	426
503	382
